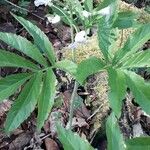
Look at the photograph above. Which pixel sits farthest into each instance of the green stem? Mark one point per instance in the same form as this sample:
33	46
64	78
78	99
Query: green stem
74	93
70	22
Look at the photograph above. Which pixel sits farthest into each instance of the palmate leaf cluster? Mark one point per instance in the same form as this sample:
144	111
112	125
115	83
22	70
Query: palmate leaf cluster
38	84
119	67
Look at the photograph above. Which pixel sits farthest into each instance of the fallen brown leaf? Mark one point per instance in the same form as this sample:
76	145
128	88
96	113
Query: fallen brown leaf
50	144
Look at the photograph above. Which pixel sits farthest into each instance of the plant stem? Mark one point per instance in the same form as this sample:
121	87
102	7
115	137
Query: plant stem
74	93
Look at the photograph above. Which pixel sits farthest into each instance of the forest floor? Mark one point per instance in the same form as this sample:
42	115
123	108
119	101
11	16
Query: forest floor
133	122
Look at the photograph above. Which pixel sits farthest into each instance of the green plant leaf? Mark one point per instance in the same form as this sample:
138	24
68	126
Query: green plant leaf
88	4
24	104
46	100
88	67
23	45
117	84
134	42
137	60
140	143
40	39
106	37
67	66
72	141
103	37
125	20
9	59
140	90
114	136
11	83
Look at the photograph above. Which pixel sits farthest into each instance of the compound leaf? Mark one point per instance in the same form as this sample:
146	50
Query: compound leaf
72	141
46	100
11	83
9	59
25	103
40	39
23	45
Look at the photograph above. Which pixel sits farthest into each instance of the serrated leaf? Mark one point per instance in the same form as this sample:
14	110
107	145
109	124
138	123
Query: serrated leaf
11	83
106	37
103	37
67	66
24	104
23	45
8	59
117	84
72	141
88	67
140	90
114	137
125	20
140	143
40	39
46	100
137	60
134	42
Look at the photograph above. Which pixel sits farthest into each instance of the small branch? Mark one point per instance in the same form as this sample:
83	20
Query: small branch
24	9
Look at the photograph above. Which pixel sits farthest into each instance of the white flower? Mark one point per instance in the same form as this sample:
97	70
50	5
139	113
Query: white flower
54	19
86	14
105	11
37	3
80	37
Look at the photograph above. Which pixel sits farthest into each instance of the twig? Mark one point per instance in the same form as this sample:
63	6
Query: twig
24	9
72	104
96	111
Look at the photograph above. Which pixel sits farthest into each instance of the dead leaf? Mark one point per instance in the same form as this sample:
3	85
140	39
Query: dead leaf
4	107
50	144
21	141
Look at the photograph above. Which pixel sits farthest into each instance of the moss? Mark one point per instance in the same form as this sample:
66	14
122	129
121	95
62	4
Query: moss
143	16
84	51
101	104
91	48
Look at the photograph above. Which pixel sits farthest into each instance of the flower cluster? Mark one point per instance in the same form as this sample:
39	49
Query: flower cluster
53	19
37	3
